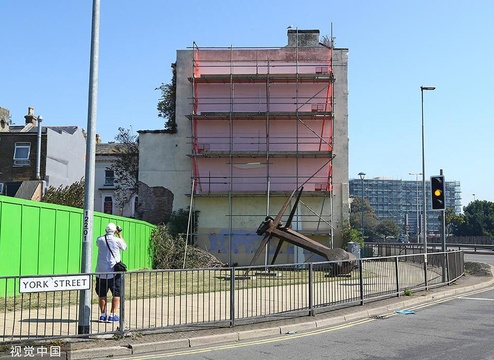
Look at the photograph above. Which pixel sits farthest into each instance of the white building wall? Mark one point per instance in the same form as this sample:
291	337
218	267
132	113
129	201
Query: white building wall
65	157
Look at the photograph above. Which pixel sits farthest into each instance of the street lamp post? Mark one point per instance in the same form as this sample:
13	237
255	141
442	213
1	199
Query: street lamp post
424	199
362	176
417	203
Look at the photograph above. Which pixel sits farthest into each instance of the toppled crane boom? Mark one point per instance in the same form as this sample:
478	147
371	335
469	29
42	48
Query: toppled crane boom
275	228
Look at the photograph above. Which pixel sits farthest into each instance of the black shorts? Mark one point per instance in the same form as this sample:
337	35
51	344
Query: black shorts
114	284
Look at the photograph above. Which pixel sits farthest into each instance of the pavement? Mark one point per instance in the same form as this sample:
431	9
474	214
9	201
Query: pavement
135	344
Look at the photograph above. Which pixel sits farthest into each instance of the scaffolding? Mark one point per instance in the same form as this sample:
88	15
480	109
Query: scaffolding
262	125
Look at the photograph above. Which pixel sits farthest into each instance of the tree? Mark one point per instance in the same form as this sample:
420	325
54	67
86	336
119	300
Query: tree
178	222
167	101
453	221
478	219
388	228
370	217
125	166
351	235
72	195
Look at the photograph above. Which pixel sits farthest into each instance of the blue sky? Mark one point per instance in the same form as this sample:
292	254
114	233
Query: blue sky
394	48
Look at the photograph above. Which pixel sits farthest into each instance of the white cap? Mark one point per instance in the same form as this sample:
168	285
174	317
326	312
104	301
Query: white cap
110	228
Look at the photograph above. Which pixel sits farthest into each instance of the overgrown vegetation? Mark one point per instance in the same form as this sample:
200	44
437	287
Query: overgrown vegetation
72	195
169	249
167	101
178	223
168	252
172	252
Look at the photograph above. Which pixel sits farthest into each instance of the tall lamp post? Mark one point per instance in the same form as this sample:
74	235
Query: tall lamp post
417	203
424	200
362	176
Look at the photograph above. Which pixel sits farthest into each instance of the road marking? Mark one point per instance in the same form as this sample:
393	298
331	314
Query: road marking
472	298
283	337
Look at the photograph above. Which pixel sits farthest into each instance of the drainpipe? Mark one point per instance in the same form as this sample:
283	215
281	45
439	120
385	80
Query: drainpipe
38	152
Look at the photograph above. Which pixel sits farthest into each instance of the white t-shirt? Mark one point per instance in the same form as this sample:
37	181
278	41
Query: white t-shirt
106	261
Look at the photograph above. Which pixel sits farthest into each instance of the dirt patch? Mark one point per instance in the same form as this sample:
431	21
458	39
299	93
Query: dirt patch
478	269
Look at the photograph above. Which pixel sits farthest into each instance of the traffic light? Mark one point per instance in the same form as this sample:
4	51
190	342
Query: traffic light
437	192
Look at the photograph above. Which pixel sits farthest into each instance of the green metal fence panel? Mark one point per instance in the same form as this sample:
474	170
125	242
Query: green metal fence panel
29	248
44	239
10	236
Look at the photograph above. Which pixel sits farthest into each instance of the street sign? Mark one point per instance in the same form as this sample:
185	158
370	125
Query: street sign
54	283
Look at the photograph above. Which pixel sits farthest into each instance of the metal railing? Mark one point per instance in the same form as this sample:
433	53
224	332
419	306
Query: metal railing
160	299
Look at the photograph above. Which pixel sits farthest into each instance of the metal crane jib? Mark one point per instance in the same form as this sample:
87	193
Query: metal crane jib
274	228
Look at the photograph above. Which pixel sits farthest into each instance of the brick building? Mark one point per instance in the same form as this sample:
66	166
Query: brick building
35	157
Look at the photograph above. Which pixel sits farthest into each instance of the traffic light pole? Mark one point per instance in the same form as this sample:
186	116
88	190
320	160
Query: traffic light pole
443	232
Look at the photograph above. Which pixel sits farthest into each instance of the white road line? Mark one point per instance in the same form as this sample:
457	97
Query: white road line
472	298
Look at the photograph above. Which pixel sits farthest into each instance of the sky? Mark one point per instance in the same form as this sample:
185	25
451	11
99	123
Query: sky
394	48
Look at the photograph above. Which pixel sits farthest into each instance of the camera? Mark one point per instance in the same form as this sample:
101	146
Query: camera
119	229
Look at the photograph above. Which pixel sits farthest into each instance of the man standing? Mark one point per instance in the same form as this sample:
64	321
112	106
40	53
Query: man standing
109	246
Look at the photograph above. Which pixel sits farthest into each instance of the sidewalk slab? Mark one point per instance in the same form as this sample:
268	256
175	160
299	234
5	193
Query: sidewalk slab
99	353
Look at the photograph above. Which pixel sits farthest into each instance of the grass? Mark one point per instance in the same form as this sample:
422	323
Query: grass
153	284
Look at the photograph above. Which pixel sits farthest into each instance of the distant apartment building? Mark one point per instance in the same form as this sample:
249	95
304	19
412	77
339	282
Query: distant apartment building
35	157
402	202
254	124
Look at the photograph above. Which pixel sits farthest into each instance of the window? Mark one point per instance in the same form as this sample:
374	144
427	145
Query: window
108	205
109	177
21	154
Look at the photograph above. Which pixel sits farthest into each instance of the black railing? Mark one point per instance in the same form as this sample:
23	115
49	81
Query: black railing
161	299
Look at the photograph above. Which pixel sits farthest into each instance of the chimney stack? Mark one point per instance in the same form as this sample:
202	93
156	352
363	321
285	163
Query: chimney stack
30	118
305	38
4	120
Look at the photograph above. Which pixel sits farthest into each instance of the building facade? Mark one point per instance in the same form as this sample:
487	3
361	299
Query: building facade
106	199
402	202
35	157
254	124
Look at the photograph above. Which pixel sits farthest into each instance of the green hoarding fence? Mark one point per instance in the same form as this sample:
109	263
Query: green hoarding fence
46	239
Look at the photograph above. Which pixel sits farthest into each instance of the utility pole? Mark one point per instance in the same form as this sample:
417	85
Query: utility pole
87	230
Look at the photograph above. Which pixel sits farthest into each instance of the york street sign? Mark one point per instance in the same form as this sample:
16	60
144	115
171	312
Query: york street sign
54	283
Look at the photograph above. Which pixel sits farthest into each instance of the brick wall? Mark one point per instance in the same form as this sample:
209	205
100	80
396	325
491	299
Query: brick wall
9	172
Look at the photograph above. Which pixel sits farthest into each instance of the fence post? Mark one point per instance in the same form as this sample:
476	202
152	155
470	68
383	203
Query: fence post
361	280
121	325
311	289
447	259
232	296
397	274
426	282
